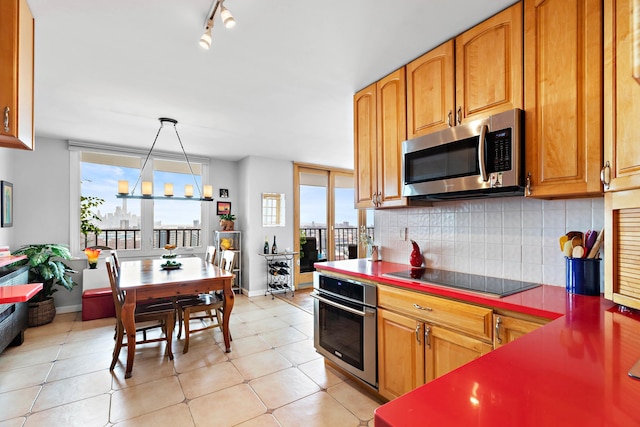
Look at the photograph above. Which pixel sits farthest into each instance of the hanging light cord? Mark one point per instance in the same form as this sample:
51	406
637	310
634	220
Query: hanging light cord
175	122
187	159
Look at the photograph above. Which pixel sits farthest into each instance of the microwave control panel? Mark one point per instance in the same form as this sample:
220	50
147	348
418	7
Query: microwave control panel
498	151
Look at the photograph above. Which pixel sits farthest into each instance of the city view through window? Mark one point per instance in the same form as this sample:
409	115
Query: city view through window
174	221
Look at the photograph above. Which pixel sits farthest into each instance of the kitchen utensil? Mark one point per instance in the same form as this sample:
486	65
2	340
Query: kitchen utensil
596	246
568	249
590	240
563	240
576	241
577	252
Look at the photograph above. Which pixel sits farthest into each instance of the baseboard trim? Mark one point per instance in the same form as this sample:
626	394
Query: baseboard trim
69	308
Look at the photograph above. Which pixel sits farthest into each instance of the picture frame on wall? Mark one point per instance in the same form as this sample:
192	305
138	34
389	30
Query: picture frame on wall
223	208
6	204
224	192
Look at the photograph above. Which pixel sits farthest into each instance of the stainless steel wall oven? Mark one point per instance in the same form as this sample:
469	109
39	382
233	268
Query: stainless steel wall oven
345	325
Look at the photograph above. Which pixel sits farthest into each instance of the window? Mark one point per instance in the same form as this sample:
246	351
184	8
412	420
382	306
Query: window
138	226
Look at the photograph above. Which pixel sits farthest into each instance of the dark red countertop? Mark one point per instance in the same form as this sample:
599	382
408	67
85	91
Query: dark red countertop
571	372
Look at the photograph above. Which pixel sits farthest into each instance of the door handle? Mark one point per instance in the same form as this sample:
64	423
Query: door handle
481	148
449	117
605	175
459	115
498	321
6	119
418	333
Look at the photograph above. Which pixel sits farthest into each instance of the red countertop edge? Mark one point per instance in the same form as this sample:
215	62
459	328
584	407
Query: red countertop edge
6	260
19	293
571	372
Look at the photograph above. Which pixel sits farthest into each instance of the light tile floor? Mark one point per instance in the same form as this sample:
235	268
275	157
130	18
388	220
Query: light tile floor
272	377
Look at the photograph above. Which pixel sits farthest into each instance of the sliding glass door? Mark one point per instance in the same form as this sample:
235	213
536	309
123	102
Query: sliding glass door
325	218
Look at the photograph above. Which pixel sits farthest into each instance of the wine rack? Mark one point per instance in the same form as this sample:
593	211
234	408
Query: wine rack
279	273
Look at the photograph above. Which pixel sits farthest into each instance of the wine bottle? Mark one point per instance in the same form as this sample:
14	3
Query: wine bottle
266	245
274	248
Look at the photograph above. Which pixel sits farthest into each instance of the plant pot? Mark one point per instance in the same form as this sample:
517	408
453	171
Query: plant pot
226	225
41	312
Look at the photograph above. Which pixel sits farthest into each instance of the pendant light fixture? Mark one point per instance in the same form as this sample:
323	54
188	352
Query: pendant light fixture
147	186
227	19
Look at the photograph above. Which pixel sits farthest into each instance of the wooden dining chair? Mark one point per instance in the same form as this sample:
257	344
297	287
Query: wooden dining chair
161	313
205	307
210	254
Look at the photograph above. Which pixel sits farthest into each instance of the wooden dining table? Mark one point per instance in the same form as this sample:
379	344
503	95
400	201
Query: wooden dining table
146	279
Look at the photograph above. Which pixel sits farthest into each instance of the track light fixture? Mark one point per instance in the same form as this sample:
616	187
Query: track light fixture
225	15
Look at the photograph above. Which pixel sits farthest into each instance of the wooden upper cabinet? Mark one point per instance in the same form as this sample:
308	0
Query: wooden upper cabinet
622	99
379	128
392	130
622	153
16	75
365	141
489	66
431	91
563	97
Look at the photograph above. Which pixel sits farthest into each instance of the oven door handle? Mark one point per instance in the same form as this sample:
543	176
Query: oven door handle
342	307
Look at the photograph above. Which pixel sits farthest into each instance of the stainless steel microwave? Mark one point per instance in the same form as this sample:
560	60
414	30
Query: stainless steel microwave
482	158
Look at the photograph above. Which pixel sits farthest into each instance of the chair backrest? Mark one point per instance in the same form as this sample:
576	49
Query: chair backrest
116	261
114	280
226	260
210	255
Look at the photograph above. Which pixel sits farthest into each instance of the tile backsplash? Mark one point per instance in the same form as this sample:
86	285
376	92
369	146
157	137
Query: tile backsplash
511	237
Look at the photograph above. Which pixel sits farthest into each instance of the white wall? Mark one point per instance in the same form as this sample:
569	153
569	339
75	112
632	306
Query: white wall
259	175
512	237
6	174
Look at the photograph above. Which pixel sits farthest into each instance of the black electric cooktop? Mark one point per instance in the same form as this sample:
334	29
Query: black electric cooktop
493	286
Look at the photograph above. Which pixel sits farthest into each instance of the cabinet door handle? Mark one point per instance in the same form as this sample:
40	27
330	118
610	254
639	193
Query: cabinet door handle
528	184
427	336
498	321
379	202
419	307
449	117
418	333
6	119
373	199
605	175
459	115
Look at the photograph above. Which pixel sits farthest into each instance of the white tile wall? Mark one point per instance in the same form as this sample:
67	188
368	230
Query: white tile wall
511	237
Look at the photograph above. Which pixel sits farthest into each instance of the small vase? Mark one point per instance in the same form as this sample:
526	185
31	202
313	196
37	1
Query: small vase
92	257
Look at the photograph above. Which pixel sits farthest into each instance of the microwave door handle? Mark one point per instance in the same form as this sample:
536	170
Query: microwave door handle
481	156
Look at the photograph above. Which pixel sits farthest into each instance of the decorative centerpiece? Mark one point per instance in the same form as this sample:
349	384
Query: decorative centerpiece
171	254
171	265
416	256
92	256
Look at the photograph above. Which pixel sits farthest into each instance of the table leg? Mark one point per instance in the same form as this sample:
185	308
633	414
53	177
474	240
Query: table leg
229	297
129	322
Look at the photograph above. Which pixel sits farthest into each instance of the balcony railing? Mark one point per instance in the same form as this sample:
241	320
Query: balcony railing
346	240
122	239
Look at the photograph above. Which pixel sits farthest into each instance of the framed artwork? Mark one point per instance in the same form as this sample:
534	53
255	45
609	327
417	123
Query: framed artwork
6	203
224	192
223	208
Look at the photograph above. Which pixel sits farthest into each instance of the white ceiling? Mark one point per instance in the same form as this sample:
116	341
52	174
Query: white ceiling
279	85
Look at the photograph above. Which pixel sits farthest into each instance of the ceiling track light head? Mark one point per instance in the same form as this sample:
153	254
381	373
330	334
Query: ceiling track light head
227	19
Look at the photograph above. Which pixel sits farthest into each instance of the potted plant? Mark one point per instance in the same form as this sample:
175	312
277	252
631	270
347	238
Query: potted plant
88	218
226	222
46	269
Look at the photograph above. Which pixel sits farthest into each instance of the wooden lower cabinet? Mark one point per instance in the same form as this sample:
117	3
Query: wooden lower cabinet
400	354
447	350
412	352
509	328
